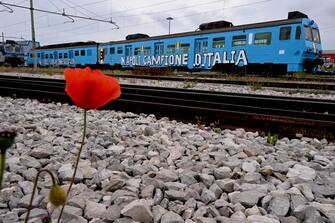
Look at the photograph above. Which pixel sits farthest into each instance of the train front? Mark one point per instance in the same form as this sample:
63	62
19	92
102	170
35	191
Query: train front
312	54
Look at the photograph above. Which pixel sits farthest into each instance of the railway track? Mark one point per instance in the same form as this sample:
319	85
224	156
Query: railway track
283	115
326	84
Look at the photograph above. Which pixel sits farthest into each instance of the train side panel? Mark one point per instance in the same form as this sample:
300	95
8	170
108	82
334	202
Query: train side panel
278	47
65	57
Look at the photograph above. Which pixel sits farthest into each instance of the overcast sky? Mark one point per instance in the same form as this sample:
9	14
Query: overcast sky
149	16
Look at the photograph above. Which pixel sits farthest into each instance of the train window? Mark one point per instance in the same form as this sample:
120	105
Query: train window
185	48
76	53
171	49
60	56
285	33
51	56
65	55
137	51
89	52
82	52
159	48
240	40
218	42
31	55
298	32
111	50
17	49
308	33
263	38
42	55
38	55
119	50
46	56
147	51
205	47
316	36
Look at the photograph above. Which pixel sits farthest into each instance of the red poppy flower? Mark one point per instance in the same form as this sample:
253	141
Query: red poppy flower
90	89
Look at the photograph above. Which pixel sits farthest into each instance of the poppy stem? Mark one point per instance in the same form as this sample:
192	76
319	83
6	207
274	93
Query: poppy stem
76	165
34	190
2	166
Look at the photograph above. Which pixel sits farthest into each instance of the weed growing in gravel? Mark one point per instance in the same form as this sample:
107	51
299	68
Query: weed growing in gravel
272	139
188	84
6	141
255	86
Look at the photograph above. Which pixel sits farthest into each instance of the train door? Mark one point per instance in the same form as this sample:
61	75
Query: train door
200	49
71	59
129	51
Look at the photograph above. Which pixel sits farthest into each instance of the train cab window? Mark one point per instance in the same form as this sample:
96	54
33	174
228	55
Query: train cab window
89	52
308	33
65	55
171	49
263	38
316	35
298	32
60	56
119	50
17	49
218	42
147	51
185	48
76	53
111	50
240	40
137	51
285	33
82	52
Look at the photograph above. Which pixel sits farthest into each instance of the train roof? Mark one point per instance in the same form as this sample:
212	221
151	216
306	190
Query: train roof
226	29
68	45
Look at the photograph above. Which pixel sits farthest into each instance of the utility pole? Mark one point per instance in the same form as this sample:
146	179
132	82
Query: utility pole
3	38
33	31
169	19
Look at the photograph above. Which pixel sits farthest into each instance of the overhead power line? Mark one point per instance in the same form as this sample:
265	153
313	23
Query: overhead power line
8	5
207	13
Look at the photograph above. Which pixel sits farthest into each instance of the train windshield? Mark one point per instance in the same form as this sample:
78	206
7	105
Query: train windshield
308	33
316	36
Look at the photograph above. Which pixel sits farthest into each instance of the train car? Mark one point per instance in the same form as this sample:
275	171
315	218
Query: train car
289	45
77	54
328	57
11	53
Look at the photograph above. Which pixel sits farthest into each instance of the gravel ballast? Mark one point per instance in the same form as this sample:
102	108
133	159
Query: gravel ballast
135	168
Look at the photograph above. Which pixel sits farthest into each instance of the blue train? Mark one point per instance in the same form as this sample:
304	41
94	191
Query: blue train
289	45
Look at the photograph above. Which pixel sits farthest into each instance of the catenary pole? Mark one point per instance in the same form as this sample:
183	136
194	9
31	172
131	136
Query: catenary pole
33	32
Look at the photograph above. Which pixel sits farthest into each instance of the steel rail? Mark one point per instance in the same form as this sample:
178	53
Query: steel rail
267	112
277	84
